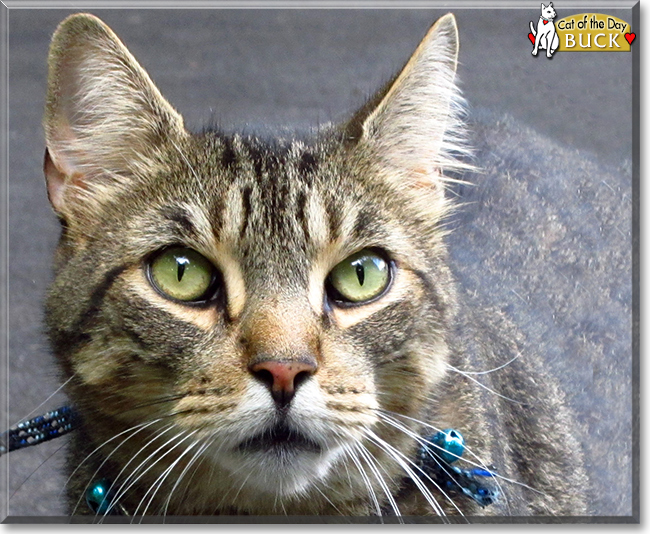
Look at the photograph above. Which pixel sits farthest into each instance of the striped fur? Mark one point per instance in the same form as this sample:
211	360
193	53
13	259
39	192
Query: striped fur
164	388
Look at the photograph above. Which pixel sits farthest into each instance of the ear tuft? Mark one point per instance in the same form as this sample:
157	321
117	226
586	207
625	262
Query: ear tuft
105	121
415	130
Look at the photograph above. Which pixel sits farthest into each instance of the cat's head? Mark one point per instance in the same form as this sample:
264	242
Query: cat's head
278	308
548	12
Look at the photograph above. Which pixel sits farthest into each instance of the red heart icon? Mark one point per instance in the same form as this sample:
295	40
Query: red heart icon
629	37
545	22
532	38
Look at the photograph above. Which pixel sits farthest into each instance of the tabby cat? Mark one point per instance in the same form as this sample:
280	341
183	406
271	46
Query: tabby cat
254	326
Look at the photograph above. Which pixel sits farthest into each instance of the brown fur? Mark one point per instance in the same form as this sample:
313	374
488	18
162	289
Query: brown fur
127	180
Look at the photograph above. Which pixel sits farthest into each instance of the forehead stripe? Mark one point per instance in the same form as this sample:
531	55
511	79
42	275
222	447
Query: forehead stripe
246	207
301	214
181	218
228	155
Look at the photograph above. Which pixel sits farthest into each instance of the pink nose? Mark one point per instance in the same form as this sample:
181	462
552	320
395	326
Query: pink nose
283	377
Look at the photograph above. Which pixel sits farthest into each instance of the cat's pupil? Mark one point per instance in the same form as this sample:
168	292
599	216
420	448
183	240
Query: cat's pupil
361	273
182	263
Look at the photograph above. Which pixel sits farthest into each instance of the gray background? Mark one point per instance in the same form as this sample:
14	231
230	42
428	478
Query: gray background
263	69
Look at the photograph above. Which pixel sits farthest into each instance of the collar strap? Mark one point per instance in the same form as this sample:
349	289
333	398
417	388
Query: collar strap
39	429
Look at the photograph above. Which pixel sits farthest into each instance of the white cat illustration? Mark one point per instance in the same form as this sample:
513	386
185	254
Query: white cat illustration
545	36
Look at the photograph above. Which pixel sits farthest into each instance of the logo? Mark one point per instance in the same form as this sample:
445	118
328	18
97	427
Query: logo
545	36
585	32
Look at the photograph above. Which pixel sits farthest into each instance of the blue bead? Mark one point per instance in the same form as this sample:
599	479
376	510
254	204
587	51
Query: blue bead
452	442
97	496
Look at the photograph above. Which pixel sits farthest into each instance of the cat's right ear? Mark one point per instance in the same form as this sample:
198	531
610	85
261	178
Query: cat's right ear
105	121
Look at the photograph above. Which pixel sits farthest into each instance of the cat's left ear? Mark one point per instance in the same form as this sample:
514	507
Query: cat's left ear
411	126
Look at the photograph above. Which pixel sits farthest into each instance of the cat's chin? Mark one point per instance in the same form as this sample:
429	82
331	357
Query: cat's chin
265	466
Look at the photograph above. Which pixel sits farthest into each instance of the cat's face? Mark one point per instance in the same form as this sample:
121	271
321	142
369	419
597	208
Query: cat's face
261	309
548	12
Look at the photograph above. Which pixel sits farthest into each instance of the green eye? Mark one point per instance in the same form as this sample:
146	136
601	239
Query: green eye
182	274
359	278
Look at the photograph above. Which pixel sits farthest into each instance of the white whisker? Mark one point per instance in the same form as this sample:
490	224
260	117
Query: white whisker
328	499
124	488
493	476
487	388
187	162
35	470
489	370
136	429
396	424
160	433
418	438
403	462
366	480
45	401
372	465
163	476
180	477
482	465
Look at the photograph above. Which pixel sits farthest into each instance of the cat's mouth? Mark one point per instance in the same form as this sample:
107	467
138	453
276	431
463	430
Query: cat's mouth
280	438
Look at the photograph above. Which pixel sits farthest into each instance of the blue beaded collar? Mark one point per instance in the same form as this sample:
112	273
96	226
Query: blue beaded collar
43	428
436	458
